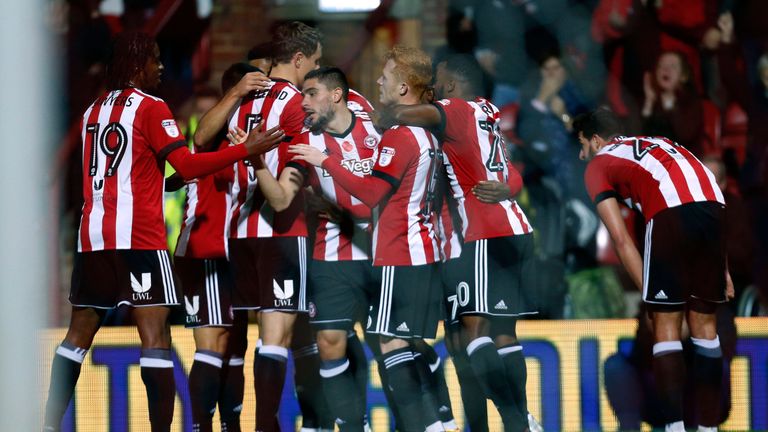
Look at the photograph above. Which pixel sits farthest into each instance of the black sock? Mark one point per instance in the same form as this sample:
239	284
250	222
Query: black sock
231	394
65	371
669	374
204	385
358	364
429	414
403	381
437	380
341	393
372	340
489	370
269	378
708	376
517	374
309	388
472	397
157	374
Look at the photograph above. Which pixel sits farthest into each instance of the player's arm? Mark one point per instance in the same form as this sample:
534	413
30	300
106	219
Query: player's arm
217	117
610	213
369	189
422	115
279	192
193	165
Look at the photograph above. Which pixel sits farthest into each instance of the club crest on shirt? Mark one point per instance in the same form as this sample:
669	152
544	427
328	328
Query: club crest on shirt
170	128
371	141
386	155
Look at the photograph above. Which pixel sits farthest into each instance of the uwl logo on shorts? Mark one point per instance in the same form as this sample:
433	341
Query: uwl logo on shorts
141	290
283	294
192	309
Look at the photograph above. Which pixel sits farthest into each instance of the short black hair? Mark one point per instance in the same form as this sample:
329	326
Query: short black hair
293	37
467	68
234	74
261	51
601	122
331	77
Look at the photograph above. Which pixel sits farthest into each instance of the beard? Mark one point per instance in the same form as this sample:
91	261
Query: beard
318	125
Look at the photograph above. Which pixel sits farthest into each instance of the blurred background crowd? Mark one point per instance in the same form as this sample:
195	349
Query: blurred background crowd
695	71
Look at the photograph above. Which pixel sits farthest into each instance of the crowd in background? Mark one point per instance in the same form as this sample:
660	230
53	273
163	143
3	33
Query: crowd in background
695	71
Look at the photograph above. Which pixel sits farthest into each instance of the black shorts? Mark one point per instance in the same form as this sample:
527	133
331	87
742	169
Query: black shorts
684	256
487	279
110	278
270	273
339	293
207	285
403	304
451	277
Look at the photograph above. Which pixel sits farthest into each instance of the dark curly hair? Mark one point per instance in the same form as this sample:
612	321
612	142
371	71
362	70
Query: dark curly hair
130	52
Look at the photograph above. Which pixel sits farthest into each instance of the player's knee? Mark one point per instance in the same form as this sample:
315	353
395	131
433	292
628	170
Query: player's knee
332	344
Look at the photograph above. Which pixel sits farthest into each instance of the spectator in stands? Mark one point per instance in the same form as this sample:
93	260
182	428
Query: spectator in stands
672	106
630	383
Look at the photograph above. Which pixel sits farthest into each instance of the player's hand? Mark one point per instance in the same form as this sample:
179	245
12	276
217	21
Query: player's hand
308	153
259	142
730	292
237	135
725	24
491	191
252	81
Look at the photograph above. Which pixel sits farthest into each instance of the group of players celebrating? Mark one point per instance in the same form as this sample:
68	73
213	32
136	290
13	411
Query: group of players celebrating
309	208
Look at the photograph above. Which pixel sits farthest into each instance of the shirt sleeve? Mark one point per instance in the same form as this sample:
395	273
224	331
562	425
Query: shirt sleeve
397	152
286	158
160	130
596	181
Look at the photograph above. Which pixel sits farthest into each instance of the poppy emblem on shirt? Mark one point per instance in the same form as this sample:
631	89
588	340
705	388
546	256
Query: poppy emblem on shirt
371	142
170	128
347	146
386	155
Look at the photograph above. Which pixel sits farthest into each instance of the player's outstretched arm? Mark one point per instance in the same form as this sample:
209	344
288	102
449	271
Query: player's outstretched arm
370	190
423	115
610	213
217	117
191	166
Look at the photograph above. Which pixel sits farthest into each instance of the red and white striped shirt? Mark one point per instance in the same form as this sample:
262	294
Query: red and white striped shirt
358	103
126	134
204	228
357	148
652	173
474	151
404	231
250	213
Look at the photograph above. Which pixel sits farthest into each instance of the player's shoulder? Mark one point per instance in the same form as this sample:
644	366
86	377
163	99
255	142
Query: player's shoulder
150	99
281	85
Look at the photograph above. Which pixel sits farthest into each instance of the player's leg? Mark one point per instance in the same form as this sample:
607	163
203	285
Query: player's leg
707	363
403	380
207	286
156	364
490	370
511	353
338	299
307	379
205	374
276	330
433	383
669	366
232	374
67	362
472	397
